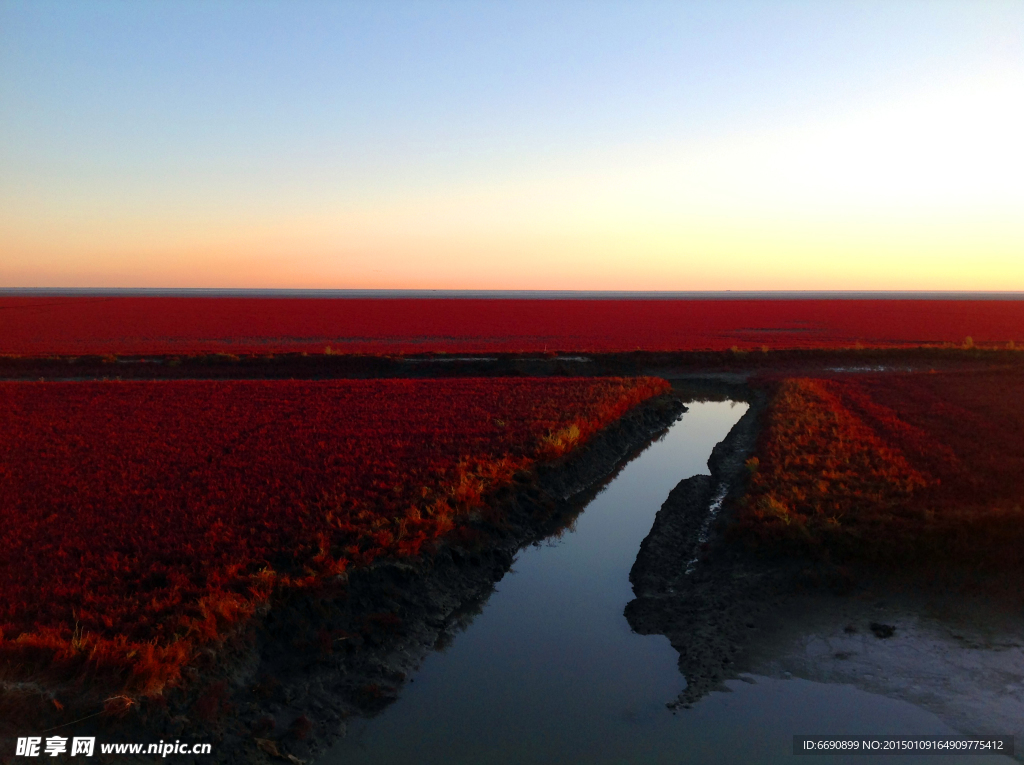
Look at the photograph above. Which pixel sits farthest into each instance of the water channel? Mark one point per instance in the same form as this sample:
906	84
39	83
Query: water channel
550	671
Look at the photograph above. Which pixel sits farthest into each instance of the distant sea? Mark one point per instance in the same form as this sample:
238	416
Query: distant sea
512	294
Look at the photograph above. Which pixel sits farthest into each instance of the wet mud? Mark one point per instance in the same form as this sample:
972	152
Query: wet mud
961	658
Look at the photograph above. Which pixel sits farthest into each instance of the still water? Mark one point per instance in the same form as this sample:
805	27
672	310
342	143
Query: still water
550	671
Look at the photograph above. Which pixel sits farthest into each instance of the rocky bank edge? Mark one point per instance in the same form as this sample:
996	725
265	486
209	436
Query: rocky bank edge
282	690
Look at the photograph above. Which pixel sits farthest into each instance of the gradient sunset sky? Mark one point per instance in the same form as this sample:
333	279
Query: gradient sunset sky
518	145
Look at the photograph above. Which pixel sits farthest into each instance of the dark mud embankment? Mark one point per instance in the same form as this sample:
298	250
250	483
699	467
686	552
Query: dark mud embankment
705	596
699	364
283	689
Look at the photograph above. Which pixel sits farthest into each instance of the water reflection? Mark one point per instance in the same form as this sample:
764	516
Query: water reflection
551	664
550	671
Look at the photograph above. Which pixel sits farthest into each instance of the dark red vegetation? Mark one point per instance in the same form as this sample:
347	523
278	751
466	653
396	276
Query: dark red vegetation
142	521
182	325
895	467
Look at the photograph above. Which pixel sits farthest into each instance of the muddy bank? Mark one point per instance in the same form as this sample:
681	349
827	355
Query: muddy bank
699	364
285	687
705	596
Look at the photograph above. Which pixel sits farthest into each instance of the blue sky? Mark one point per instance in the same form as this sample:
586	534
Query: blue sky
507	145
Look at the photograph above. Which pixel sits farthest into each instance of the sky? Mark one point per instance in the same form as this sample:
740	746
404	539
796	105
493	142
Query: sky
512	145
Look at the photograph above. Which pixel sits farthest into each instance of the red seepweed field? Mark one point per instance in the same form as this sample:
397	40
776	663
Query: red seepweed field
66	325
145	520
895	467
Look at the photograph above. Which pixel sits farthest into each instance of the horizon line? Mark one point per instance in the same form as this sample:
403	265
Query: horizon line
414	294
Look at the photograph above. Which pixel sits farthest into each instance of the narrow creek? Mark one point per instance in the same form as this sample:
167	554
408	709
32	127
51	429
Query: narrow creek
550	671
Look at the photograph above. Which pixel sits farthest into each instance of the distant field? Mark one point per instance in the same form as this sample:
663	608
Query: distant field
183	325
142	520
